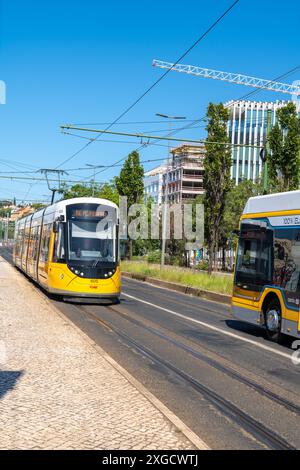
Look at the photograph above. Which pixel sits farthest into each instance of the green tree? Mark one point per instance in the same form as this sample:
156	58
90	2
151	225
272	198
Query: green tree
130	183
37	206
76	190
177	253
284	159
109	191
5	203
5	212
105	191
143	247
235	202
217	163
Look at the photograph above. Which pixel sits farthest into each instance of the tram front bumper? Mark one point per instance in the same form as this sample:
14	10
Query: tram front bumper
63	282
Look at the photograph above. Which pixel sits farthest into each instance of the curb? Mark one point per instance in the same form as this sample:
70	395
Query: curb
194	291
164	410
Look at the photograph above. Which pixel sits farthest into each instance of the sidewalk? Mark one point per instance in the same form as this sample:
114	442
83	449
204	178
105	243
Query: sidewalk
57	391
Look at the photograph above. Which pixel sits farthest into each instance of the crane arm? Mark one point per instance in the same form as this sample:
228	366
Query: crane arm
230	77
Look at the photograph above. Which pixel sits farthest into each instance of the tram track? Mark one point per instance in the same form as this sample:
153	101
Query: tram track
204	308
229	371
257	430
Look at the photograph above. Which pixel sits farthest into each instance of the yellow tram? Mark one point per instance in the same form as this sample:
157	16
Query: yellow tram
71	248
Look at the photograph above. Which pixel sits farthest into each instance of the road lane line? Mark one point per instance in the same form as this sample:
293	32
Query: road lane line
211	327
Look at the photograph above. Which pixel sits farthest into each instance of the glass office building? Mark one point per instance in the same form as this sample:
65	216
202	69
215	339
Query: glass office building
248	126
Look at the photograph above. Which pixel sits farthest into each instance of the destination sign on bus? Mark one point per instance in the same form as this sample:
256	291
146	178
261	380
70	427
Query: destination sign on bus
288	220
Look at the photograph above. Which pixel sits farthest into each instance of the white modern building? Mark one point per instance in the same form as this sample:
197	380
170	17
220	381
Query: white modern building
248	126
153	180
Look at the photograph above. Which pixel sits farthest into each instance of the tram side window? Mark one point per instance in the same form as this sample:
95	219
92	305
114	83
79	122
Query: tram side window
35	241
26	241
46	235
287	259
18	244
21	240
31	242
59	245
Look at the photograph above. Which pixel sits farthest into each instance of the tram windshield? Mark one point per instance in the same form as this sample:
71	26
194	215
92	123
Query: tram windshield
92	237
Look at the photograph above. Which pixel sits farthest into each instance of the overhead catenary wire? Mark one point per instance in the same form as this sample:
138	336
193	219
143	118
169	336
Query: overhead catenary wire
29	178
201	119
147	91
242	98
128	123
144	136
175	131
151	87
16	163
108	140
115	164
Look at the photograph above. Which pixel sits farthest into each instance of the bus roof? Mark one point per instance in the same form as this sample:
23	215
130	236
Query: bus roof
273	202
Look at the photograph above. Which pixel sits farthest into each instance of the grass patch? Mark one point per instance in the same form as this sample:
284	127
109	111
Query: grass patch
215	283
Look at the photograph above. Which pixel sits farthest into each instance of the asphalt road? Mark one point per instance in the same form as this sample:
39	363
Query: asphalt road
230	385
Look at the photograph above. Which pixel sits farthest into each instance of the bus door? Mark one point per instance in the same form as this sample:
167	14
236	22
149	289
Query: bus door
254	264
287	269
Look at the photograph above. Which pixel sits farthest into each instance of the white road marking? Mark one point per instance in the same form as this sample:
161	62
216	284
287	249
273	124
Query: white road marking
214	328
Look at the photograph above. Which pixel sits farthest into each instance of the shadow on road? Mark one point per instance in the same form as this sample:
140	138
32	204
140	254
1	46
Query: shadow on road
246	328
8	380
256	331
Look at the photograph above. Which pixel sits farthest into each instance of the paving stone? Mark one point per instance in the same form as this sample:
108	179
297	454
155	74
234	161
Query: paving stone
58	392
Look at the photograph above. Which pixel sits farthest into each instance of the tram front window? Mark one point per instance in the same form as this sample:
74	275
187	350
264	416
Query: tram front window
90	242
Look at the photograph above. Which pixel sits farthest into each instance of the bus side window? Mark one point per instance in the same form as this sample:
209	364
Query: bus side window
279	251
287	259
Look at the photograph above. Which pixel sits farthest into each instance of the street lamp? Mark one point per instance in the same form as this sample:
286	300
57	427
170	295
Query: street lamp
164	217
94	168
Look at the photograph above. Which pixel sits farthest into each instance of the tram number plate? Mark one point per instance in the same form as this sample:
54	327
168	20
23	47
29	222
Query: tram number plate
94	284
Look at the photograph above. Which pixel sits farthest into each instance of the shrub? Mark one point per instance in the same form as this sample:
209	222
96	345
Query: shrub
154	257
216	283
202	266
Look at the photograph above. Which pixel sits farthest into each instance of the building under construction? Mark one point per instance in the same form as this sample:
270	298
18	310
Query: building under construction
183	177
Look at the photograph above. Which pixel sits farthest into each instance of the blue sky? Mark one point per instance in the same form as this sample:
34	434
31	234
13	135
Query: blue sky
86	61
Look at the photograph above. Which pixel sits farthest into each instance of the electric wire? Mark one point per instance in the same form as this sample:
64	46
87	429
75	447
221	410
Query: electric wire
129	108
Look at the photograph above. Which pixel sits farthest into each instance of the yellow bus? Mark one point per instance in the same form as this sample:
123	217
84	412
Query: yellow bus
266	287
71	248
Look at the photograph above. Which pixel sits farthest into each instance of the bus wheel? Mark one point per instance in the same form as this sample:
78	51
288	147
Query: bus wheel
273	321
